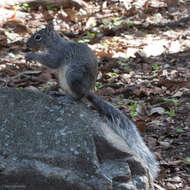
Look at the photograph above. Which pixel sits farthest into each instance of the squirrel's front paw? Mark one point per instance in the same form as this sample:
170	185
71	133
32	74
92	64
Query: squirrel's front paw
29	57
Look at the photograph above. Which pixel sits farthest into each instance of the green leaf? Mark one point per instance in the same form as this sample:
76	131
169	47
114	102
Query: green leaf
155	67
187	160
50	7
177	132
107	22
18	56
175	101
26	6
11	55
133	108
129	24
180	130
20	88
99	85
91	35
116	19
133	114
46	85
171	113
84	41
111	74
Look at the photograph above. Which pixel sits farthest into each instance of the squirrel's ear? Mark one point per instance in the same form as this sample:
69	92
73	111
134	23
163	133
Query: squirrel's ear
49	27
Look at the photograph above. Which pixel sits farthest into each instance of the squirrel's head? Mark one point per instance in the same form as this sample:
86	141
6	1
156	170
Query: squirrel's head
43	39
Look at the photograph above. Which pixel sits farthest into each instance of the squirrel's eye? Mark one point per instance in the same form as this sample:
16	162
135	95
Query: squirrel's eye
37	37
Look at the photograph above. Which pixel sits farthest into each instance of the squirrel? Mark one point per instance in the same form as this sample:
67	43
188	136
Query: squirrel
77	69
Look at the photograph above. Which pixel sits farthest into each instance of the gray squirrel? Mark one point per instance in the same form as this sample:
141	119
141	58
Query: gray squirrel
76	65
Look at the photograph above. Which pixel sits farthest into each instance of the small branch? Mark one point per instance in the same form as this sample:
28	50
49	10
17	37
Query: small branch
158	187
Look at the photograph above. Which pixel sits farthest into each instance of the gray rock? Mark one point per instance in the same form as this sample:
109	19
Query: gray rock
48	143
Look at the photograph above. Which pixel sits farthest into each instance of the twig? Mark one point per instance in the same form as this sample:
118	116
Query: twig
24	73
158	187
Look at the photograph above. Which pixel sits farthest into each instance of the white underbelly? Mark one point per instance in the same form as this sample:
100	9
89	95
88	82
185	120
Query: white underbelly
63	81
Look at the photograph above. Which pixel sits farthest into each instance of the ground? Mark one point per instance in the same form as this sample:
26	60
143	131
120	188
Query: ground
143	53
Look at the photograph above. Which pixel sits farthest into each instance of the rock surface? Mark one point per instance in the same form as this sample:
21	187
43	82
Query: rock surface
49	143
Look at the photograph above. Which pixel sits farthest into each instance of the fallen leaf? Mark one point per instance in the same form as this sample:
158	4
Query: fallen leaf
3	38
17	26
32	88
141	125
178	94
158	110
165	144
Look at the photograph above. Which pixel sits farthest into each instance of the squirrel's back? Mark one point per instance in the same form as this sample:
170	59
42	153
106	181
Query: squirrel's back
77	75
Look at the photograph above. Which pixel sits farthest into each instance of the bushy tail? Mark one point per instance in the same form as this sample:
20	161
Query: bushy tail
125	128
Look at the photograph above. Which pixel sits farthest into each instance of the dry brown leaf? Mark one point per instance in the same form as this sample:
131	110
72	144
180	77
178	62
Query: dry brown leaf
3	38
16	25
172	84
141	125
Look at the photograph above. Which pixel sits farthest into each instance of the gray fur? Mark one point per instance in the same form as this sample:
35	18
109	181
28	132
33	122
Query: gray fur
124	127
79	65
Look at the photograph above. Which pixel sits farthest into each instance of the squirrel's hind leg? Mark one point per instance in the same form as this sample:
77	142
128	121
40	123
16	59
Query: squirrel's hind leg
78	84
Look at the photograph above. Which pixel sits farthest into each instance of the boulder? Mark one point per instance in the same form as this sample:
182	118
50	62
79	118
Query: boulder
57	143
